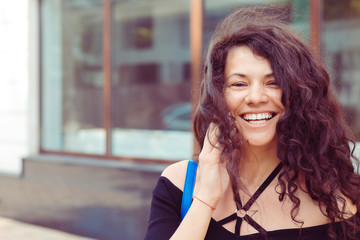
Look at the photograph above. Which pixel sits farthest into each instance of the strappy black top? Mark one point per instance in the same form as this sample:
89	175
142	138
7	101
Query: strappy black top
248	205
165	219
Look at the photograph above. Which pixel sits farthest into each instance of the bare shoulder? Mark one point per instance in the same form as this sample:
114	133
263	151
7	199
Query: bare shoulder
176	173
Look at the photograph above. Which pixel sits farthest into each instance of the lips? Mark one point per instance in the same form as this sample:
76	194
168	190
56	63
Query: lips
258	118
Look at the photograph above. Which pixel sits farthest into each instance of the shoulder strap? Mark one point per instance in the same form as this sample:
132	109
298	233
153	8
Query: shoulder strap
188	187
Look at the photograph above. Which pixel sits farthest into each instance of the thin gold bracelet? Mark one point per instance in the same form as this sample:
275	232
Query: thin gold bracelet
212	208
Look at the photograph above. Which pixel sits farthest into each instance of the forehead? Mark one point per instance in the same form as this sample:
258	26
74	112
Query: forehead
241	59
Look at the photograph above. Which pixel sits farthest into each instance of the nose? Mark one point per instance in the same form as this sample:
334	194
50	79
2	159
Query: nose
256	95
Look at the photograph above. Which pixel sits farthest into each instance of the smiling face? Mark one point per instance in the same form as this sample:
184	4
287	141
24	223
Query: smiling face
252	95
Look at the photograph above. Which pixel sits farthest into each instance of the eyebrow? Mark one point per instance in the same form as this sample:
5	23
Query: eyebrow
244	75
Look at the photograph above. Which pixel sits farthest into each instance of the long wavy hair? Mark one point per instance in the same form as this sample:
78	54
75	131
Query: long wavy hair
313	138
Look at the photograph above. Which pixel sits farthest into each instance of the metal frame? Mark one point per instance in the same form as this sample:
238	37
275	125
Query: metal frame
315	8
196	32
109	157
107	73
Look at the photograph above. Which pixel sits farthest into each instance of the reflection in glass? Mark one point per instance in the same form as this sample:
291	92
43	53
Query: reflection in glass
341	48
150	90
297	12
72	77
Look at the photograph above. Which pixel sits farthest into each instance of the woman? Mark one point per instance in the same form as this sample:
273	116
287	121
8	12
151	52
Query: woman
274	144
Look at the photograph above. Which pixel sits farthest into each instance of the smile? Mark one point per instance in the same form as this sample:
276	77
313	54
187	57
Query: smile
258	118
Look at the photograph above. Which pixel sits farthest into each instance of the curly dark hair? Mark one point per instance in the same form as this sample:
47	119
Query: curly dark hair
313	137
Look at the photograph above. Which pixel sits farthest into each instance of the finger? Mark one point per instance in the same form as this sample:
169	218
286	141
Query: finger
211	139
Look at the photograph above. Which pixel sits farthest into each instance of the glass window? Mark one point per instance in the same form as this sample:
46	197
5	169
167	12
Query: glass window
150	74
215	11
72	76
137	33
150	88
341	48
150	82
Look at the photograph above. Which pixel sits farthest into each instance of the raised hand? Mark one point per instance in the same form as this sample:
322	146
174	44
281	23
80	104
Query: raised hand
210	168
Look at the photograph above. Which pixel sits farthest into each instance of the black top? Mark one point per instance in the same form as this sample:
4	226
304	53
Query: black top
165	219
248	205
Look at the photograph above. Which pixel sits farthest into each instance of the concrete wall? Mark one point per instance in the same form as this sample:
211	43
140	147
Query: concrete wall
14	84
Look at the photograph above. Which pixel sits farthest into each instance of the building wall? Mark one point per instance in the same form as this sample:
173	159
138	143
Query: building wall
33	106
14	85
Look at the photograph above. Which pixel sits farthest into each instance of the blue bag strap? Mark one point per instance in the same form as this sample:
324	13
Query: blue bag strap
188	187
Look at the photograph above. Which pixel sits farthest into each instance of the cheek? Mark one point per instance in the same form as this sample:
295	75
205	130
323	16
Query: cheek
232	101
228	100
276	98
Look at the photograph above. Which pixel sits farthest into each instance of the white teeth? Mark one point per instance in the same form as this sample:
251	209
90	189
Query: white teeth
258	122
259	116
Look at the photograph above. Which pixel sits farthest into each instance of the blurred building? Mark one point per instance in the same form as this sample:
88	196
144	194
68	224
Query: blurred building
96	99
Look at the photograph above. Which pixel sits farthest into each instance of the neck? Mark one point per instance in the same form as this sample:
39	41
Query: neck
256	165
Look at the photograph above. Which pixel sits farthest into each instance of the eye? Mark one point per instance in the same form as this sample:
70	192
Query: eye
272	83
239	84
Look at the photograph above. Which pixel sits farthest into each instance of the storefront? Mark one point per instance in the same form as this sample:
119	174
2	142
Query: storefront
117	77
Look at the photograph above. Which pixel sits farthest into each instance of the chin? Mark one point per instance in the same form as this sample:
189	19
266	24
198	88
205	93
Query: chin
262	141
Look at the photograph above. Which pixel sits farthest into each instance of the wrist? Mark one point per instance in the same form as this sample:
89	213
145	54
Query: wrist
209	200
203	202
